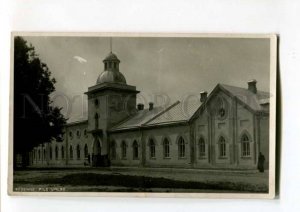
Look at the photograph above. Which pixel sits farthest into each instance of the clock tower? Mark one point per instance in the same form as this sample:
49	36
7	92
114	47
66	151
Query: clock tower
110	101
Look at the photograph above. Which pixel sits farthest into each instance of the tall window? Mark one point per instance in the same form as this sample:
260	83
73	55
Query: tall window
113	152
56	152
222	147
152	148
96	120
39	154
124	149
78	152
166	145
135	149
181	147
245	146
44	156
50	153
71	152
62	152
201	147
86	151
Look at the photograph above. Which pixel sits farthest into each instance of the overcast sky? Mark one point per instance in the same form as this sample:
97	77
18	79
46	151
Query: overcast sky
176	67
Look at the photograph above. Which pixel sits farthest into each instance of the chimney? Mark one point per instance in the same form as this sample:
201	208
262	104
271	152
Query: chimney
140	106
203	96
252	86
151	105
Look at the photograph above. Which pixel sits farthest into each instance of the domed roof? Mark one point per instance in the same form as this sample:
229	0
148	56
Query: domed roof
111	76
111	56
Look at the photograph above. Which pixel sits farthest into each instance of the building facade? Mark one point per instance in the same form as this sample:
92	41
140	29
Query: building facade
226	129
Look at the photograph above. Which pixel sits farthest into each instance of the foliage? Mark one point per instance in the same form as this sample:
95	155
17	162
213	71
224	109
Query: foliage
36	120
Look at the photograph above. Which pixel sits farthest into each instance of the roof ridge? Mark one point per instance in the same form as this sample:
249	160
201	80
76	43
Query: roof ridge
222	84
162	112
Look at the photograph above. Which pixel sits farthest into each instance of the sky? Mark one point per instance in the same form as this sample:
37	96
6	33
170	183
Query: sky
161	68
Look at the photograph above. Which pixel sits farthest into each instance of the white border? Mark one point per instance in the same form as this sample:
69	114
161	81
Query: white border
273	61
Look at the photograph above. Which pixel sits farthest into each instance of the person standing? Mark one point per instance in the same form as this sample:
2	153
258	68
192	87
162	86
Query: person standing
261	161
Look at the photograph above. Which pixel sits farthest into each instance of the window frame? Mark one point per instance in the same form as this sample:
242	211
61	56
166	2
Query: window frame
135	150
222	147
71	153
56	152
78	152
152	148
181	147
166	148
245	146
124	149
201	147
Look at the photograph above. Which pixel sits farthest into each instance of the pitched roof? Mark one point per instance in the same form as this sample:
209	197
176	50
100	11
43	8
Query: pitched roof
254	100
180	112
139	118
175	113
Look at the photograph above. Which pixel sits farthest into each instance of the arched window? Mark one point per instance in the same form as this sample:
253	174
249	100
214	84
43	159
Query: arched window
113	150
166	145
135	149
50	153
245	146
124	149
152	148
86	151
78	152
39	154
62	152
222	147
71	152
56	152
201	147
70	134
78	133
96	120
181	147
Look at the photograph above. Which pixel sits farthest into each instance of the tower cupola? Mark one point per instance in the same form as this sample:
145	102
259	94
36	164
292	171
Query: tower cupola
111	73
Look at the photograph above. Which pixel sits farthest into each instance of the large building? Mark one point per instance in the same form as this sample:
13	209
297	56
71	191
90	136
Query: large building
226	129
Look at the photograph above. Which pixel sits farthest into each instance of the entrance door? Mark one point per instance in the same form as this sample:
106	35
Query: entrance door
96	156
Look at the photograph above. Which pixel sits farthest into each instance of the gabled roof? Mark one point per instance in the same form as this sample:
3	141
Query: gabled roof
183	112
254	101
139	118
178	112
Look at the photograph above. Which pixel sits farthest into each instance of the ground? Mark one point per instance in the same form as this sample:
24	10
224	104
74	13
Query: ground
140	180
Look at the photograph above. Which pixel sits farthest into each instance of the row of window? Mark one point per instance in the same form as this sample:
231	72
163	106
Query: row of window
37	155
245	148
78	133
152	149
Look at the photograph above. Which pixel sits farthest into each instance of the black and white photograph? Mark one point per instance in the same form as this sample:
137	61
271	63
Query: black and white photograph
143	114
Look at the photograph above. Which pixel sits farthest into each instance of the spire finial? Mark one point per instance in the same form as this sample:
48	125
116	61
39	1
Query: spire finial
110	44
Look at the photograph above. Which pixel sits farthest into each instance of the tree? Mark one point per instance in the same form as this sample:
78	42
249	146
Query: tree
36	120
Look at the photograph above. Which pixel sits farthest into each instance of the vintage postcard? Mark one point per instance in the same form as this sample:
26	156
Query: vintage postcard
143	115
